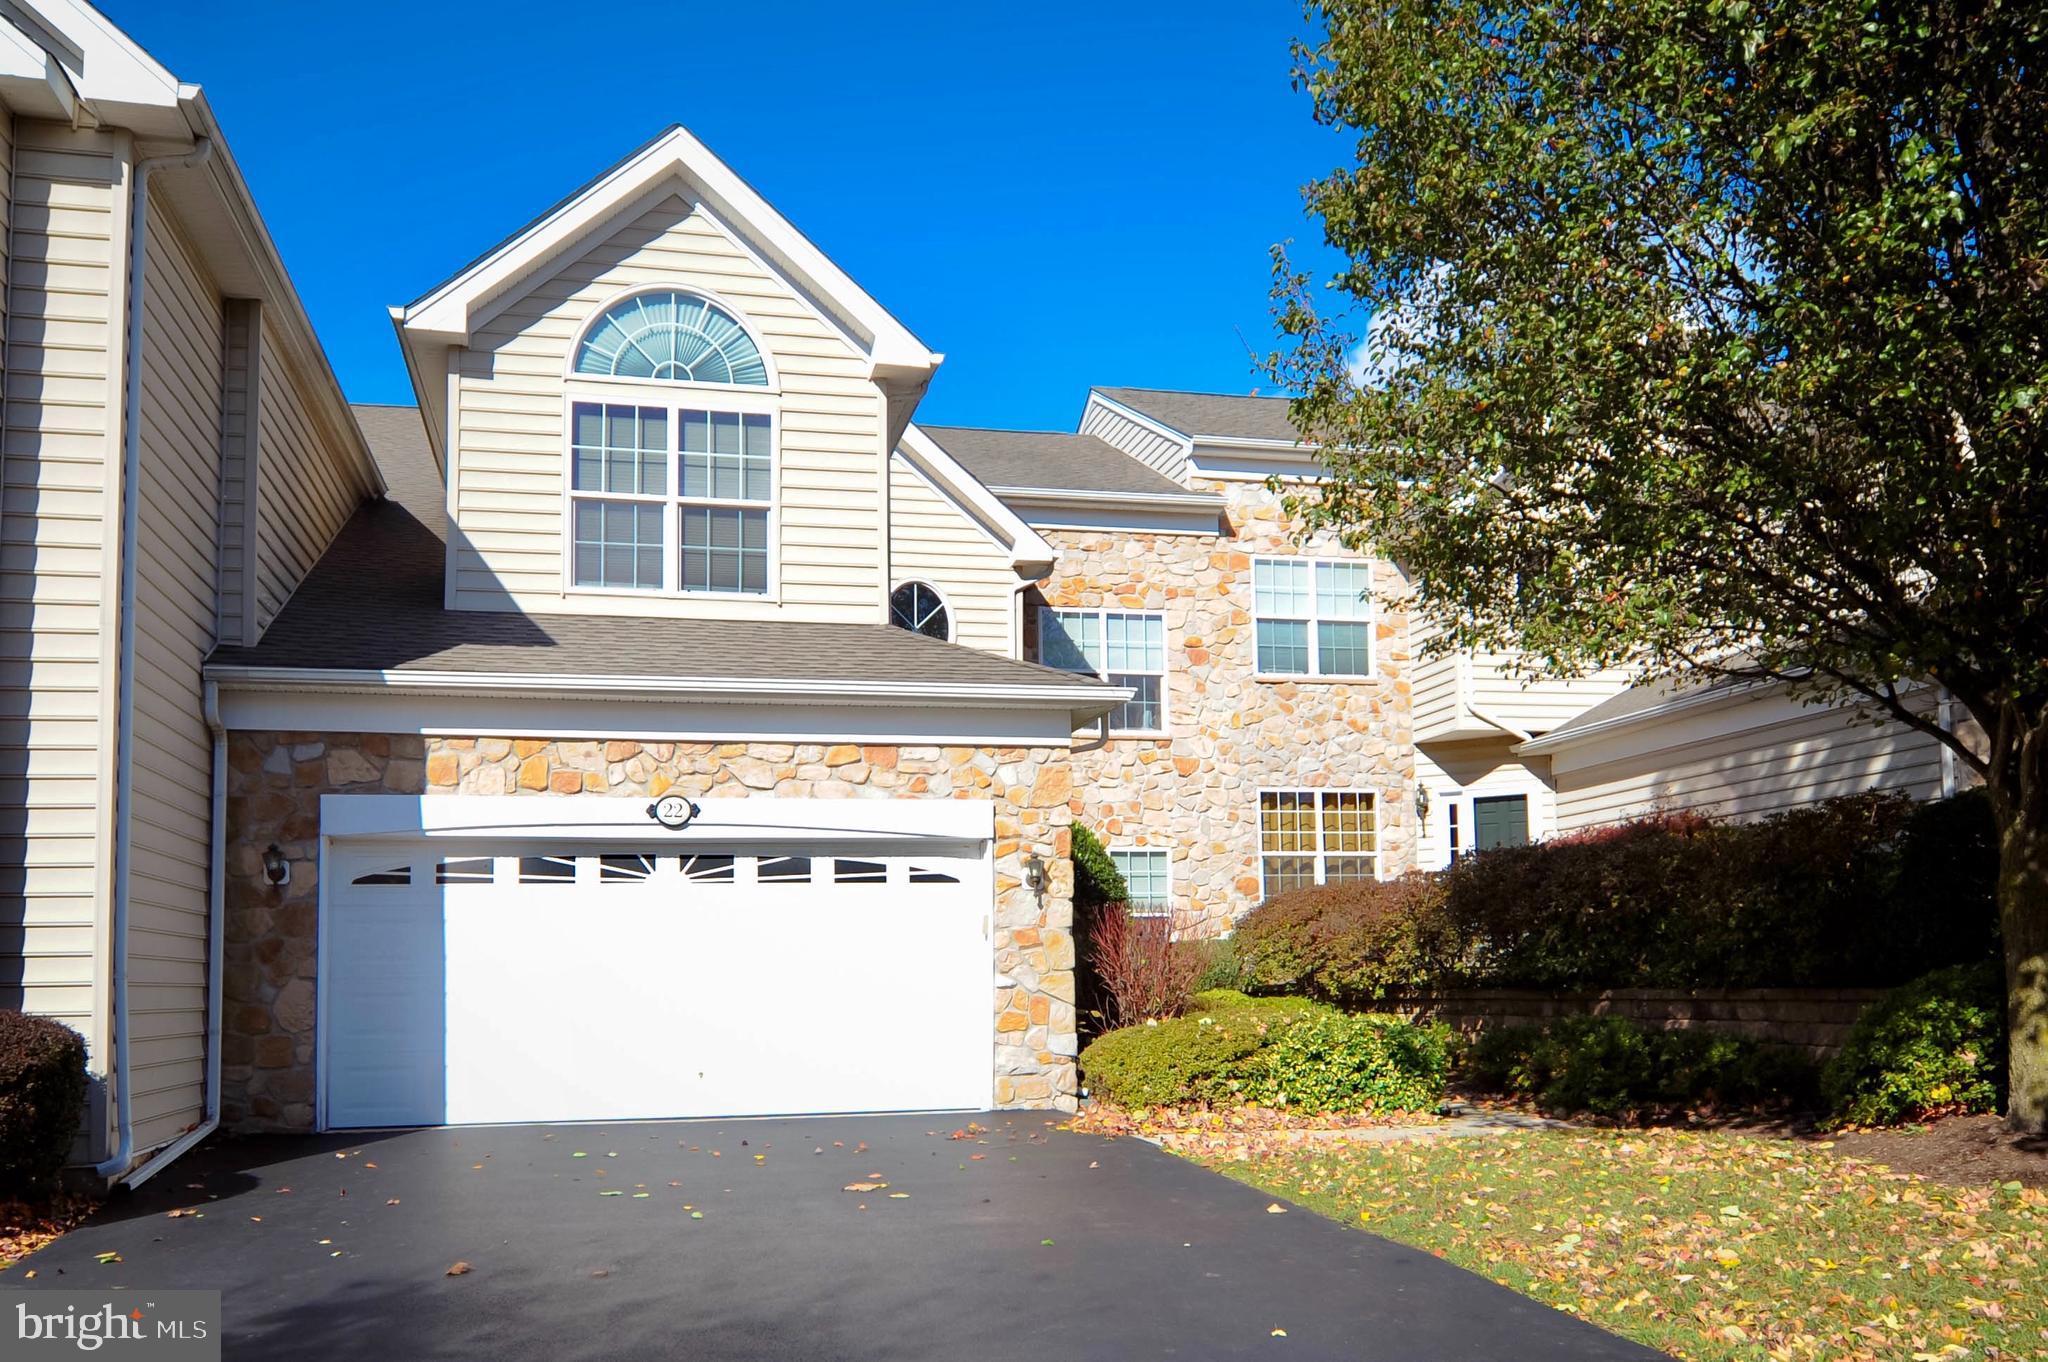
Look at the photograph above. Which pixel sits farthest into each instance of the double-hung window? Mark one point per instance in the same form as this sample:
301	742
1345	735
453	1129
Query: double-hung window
1313	616
1124	648
1316	837
644	478
1147	880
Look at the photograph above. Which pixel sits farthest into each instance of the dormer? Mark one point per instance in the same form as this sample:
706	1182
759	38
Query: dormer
660	398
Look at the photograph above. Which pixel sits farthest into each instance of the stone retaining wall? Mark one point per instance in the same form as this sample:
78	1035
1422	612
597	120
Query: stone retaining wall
275	781
1815	1020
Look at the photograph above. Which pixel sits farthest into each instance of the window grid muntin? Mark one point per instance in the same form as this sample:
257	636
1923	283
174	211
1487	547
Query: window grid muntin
916	606
671	335
1309	837
1122	647
1148	878
1312	617
724	548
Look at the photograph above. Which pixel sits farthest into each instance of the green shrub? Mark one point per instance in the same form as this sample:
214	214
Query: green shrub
1096	878
1934	1045
1276	1051
1221	967
42	1091
1610	1066
1350	1063
1351	942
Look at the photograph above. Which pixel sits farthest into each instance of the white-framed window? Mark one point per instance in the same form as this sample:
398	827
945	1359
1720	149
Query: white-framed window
1316	837
1148	879
671	336
669	498
920	608
1123	647
1313	616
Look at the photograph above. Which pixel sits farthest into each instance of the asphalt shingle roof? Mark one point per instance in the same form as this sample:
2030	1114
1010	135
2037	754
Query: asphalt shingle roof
1198	414
1006	459
374	603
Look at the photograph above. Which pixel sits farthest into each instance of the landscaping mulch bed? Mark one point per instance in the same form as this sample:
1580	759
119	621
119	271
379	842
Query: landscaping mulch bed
1962	1150
1231	1132
24	1228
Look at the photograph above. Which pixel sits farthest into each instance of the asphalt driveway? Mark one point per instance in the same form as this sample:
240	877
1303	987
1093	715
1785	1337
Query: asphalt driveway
1018	1240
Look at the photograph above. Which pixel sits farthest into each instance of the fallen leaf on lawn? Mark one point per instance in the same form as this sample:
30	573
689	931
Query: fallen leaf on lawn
457	1269
864	1186
1276	1209
105	1258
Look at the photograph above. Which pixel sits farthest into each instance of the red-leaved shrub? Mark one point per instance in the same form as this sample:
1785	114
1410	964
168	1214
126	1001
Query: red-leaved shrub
1135	967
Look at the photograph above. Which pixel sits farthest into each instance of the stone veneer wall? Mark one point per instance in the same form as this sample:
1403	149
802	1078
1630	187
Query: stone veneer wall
1195	793
275	781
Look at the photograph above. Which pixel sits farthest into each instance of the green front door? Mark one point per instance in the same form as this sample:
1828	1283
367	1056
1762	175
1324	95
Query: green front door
1500	821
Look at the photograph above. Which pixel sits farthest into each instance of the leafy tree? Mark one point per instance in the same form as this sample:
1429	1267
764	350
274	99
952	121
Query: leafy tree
1705	337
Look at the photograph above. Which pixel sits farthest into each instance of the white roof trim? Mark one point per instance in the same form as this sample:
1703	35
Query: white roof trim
1092	696
951	478
1060	496
1573	732
450	312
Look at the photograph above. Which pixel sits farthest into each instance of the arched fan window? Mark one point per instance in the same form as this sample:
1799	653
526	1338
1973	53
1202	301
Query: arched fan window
921	610
674	336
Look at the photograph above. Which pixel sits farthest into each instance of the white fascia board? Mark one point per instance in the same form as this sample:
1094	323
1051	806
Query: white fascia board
450	311
1150	513
33	82
1070	496
757	818
927	457
1702	697
112	71
1255	463
636	720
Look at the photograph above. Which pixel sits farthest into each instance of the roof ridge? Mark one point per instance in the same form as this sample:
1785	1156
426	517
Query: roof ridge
1186	392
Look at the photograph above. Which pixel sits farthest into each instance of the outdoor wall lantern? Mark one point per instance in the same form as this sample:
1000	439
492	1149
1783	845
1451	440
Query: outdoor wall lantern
1421	804
276	868
1034	873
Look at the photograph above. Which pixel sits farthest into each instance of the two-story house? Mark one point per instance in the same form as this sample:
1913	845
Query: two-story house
653	720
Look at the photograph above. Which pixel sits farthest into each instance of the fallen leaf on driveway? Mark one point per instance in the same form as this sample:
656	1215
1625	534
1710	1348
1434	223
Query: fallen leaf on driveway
638	1196
392	1202
1045	1243
369	1165
611	1193
458	1269
1276	1209
104	1258
1279	1333
899	1196
579	1154
181	1213
696	1215
600	1272
977	1157
864	1186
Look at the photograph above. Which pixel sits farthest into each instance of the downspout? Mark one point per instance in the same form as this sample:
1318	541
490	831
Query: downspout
116	1164
1945	715
216	937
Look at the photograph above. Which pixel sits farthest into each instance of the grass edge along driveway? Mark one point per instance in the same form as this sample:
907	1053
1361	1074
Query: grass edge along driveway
1707	1246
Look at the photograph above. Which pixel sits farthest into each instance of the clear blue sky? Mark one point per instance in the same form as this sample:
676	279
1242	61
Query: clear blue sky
1054	195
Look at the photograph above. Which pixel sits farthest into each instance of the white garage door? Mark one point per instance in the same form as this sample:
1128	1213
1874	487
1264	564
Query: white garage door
557	983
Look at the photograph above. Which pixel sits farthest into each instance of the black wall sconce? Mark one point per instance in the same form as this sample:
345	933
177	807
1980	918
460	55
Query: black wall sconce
1034	873
276	868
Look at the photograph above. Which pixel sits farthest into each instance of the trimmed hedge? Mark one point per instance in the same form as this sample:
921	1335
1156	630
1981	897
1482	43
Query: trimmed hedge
1096	879
1933	1046
1613	1067
1283	1052
42	1091
1863	891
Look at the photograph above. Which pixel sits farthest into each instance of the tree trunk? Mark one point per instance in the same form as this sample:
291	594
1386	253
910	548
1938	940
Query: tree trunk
2022	807
2023	918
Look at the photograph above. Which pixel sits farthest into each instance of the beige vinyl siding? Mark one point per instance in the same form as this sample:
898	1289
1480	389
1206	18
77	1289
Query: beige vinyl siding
1438	707
1459	772
180	425
1539	705
1140	441
57	588
306	489
933	540
242	325
1757	757
510	450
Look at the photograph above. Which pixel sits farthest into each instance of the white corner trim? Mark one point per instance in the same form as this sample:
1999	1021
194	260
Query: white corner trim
758	818
447	313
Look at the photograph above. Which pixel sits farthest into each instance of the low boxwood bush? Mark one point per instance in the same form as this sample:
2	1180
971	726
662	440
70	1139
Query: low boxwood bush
42	1091
1933	1046
1275	1051
1613	1067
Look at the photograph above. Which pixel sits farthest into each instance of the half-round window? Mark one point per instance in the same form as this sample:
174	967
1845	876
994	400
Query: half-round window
921	610
673	336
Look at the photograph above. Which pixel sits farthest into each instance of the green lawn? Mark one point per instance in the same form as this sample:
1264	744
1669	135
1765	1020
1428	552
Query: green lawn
1706	1246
